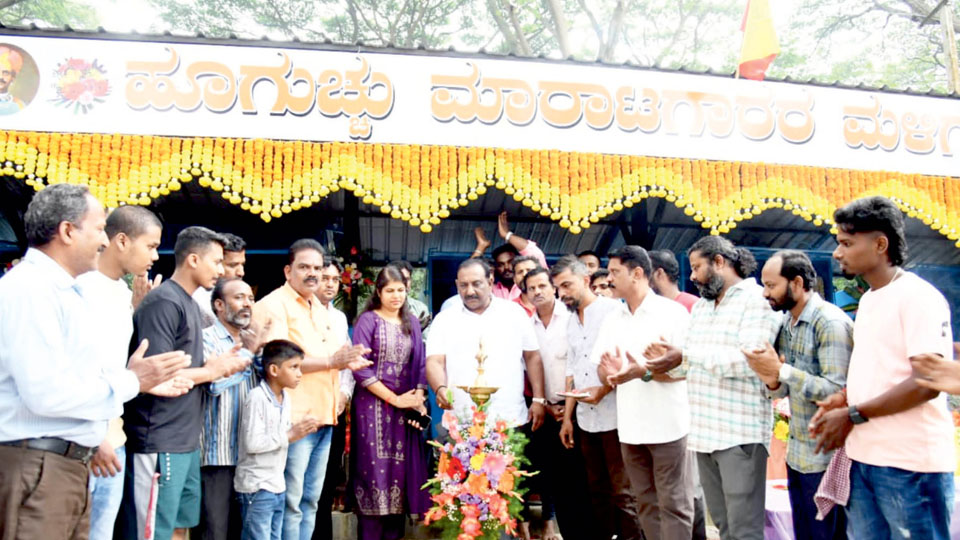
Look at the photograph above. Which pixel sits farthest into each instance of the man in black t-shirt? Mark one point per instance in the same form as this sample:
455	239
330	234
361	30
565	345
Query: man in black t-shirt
163	434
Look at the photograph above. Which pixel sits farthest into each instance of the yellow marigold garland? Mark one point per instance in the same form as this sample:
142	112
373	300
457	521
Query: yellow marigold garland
422	184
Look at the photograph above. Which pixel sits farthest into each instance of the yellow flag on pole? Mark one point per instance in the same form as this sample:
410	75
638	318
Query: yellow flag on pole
760	44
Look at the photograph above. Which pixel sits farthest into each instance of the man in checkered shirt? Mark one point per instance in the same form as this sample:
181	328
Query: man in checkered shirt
814	346
730	418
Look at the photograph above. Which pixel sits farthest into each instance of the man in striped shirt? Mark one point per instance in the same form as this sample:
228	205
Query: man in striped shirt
730	418
232	302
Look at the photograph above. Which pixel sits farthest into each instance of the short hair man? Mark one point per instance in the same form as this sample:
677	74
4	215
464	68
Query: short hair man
11	62
730	316
336	474
296	314
814	342
521	266
654	446
164	434
133	233
504	284
57	394
590	259
562	483
600	283
613	503
232	301
666	275
234	260
898	435
506	336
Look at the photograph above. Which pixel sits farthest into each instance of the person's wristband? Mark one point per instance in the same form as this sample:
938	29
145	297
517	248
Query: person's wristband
437	391
540	400
507	237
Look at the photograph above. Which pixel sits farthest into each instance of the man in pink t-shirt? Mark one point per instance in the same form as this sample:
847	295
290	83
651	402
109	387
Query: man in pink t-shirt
898	434
666	275
503	280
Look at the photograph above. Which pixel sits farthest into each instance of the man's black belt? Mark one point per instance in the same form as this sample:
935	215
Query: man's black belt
56	446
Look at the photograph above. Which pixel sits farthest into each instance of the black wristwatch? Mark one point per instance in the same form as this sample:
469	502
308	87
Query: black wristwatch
855	415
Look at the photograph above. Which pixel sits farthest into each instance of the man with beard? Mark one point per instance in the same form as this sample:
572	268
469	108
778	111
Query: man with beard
11	62
134	236
234	259
611	499
730	419
164	434
560	484
296	314
232	302
654	446
897	434
666	274
504	284
815	341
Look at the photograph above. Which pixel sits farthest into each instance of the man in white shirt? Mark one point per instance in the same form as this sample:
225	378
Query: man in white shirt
336	474
653	413
508	341
56	398
561	480
134	236
613	504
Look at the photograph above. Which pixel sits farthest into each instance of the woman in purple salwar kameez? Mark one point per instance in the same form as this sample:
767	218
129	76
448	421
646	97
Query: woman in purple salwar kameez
389	456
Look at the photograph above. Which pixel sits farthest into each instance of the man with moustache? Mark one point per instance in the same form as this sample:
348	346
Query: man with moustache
163	435
561	483
898	435
814	342
613	503
730	419
295	313
134	236
232	302
654	444
336	471
506	335
57	390
11	62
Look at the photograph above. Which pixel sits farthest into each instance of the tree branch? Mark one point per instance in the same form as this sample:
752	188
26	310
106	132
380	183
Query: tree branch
502	25
4	4
518	30
559	26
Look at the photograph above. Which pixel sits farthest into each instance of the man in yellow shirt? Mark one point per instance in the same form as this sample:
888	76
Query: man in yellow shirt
295	313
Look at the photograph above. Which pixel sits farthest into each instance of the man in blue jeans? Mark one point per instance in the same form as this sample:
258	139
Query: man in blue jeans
897	434
296	314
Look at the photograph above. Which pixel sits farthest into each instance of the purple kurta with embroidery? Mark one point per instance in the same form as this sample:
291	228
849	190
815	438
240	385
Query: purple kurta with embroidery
389	457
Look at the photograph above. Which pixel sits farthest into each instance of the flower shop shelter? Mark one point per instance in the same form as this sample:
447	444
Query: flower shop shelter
401	153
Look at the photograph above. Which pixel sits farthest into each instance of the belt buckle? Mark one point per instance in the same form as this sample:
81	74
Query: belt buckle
84	456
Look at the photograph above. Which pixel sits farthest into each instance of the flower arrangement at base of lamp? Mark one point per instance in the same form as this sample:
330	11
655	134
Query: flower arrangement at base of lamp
476	491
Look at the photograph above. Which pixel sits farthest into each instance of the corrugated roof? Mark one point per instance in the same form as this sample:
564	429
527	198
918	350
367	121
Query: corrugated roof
295	43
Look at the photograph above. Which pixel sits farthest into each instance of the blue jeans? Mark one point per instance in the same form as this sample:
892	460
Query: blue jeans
890	503
106	492
262	515
802	487
304	474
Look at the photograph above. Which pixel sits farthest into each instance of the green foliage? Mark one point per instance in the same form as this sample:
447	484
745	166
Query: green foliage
855	41
45	13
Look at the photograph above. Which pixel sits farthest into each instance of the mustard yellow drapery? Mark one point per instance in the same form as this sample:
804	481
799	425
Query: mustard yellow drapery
423	184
